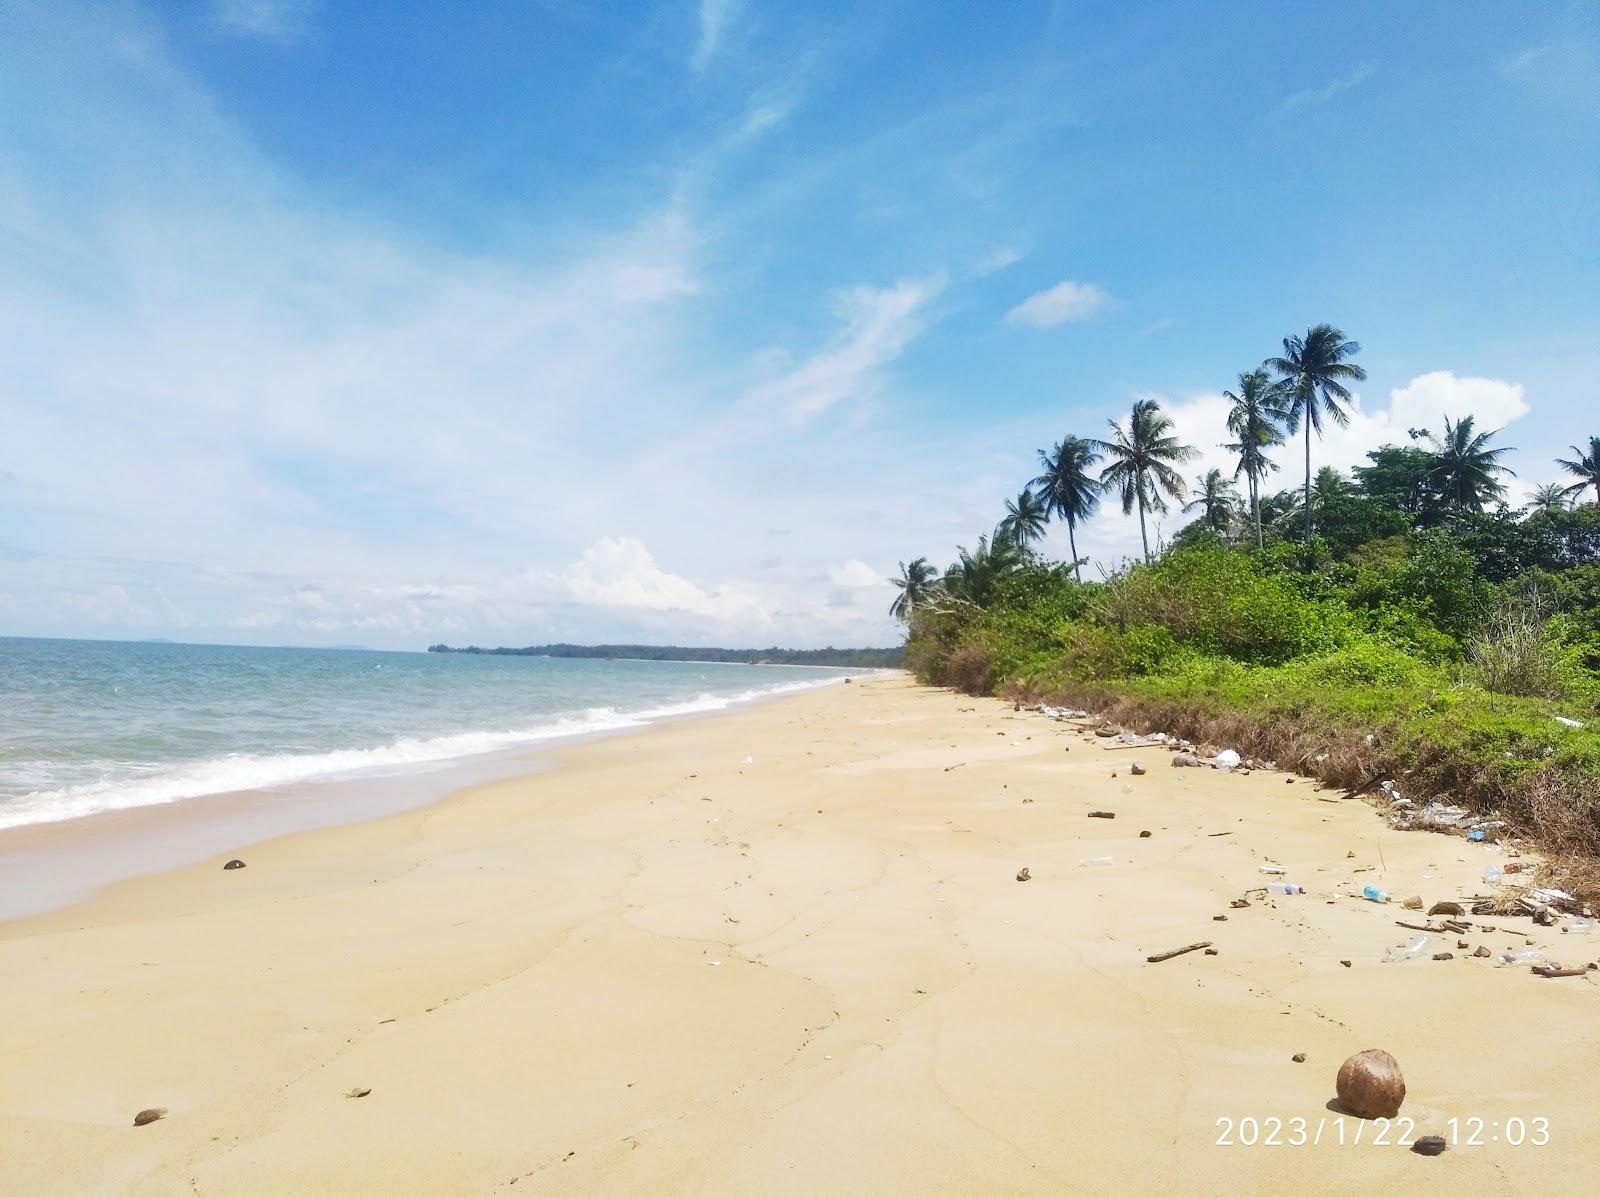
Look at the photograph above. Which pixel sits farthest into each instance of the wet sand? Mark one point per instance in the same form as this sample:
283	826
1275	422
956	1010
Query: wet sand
658	968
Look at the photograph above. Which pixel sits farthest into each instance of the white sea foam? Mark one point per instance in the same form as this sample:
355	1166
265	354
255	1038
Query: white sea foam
233	773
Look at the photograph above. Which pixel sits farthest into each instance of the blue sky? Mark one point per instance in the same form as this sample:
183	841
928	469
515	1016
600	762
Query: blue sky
325	322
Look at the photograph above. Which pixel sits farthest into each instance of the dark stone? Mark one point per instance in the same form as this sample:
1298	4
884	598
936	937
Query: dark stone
1430	1145
1299	1057
1144	835
153	1114
1450	908
234	864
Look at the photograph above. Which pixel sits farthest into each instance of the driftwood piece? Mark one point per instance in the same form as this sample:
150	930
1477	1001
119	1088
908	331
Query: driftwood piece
1193	947
1555	970
1102	814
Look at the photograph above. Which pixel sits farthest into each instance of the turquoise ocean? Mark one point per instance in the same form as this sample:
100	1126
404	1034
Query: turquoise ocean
90	726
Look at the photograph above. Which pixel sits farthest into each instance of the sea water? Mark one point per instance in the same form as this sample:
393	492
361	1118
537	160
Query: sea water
91	726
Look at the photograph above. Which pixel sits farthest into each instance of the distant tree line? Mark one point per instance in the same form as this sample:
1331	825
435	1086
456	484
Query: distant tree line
858	658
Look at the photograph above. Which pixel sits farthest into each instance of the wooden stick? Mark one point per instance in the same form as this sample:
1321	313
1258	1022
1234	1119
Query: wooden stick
948	768
1160	956
1213	835
1102	814
1419	927
1551	970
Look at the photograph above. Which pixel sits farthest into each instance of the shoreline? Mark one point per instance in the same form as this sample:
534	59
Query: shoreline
659	968
58	863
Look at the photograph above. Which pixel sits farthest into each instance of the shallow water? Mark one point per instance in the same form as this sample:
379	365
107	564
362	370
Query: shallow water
93	726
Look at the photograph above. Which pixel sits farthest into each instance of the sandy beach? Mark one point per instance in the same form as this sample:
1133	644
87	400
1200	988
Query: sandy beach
783	950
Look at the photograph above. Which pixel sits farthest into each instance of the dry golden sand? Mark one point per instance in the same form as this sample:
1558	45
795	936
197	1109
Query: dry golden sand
659	970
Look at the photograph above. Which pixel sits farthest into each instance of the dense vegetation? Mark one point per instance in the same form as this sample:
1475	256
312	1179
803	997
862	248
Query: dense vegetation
1400	621
848	658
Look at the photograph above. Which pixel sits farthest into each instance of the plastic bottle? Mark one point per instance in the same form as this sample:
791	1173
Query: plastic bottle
1493	875
1274	870
1090	862
1284	889
1409	951
1520	956
1476	835
1373	894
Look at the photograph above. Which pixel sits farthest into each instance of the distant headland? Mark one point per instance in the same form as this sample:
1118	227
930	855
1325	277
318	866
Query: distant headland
858	658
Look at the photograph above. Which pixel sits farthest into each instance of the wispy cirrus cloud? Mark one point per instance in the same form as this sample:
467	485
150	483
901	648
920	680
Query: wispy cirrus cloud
274	20
877	325
1331	90
1061	304
715	17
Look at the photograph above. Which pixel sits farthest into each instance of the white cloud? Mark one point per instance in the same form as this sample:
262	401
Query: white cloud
1329	91
715	16
275	20
621	572
997	259
1057	305
878	324
854	574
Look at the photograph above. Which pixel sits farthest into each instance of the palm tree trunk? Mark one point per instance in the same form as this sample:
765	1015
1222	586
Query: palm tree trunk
1143	536
1255	506
1309	402
1072	543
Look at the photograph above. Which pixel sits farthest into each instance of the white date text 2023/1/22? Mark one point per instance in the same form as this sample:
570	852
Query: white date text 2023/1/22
1273	1131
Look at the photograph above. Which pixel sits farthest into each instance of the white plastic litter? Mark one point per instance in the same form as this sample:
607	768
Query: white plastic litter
1226	759
1565	722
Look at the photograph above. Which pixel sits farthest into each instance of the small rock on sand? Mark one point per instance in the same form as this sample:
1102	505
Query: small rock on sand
1481	953
1299	1057
1346	963
1023	875
234	864
1430	1145
1144	835
358	1091
1444	955
153	1114
1413	903
1136	769
1185	760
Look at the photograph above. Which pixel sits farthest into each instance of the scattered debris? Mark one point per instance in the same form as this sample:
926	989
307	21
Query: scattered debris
1193	947
1219	918
1102	814
1444	955
1413	903
1299	1057
358	1092
1239	903
950	768
1565	722
1225	760
1430	1145
1211	951
153	1114
234	864
1370	1085
1024	875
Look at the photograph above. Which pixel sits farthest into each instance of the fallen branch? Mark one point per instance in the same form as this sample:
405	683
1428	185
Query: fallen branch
1554	970
1160	956
948	768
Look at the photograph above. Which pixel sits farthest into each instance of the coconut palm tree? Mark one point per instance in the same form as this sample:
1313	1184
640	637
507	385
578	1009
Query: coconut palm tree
1068	491
1551	496
1141	459
1026	517
1312	372
974	574
1464	469
1217	500
1254	415
1585	468
916	582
